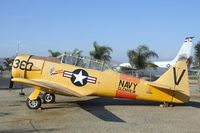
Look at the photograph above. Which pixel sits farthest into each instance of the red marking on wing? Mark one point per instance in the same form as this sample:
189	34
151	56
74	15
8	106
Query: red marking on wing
124	94
129	78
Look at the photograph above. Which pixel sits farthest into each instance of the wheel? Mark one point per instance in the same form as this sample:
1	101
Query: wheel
33	104
49	98
166	104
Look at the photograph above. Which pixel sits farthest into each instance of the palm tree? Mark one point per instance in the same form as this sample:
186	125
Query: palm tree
77	52
8	63
1	69
189	60
197	54
101	52
140	56
54	53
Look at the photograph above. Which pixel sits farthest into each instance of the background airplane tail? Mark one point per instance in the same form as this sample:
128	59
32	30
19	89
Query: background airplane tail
176	78
185	51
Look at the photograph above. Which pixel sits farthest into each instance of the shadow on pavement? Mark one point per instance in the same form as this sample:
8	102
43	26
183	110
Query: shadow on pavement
97	108
192	104
97	105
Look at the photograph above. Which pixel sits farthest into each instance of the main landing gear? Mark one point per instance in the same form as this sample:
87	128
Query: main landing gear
34	101
48	98
34	104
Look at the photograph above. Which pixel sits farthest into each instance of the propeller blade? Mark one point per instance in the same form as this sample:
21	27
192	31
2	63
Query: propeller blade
11	83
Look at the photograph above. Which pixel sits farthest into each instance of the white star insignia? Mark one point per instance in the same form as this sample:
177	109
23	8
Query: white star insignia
79	77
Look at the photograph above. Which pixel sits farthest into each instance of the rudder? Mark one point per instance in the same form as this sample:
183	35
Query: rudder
177	78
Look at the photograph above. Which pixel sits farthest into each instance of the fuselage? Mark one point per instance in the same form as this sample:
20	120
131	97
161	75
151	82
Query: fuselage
88	79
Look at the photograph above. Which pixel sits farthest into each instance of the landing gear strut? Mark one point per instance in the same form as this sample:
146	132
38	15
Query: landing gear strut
48	98
33	104
166	104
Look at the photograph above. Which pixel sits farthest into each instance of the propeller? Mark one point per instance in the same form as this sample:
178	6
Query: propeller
11	86
11	83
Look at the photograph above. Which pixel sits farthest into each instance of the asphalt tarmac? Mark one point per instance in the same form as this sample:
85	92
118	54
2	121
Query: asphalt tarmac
97	115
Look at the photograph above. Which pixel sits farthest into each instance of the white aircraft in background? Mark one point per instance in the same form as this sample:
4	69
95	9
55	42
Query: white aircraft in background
185	52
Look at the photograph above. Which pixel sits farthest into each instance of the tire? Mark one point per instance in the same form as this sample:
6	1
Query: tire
49	98
33	104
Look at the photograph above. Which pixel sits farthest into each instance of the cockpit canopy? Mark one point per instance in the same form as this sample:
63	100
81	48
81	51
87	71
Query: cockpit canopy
85	62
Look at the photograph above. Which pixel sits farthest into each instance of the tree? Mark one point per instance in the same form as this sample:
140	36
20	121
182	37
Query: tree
8	63
54	53
77	52
140	56
1	69
101	52
189	60
197	54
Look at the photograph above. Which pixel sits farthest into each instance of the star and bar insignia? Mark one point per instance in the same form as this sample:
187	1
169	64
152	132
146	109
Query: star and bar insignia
79	77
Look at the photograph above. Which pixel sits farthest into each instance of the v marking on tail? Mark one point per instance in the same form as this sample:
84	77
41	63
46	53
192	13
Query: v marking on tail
177	81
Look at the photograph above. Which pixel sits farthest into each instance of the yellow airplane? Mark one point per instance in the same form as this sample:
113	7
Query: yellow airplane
81	76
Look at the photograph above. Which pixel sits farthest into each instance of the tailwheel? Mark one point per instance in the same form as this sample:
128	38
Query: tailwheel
49	98
33	104
166	104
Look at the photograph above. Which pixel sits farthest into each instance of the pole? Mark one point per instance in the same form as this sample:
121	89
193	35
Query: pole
18	45
21	93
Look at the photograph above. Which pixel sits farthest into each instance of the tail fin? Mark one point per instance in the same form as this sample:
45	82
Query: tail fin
177	79
185	50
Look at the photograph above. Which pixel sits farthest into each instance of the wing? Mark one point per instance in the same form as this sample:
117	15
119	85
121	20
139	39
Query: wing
161	86
48	86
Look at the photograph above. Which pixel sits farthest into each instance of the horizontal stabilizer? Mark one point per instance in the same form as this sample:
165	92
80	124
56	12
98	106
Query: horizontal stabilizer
161	86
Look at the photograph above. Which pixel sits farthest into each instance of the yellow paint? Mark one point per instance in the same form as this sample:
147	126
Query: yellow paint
34	95
47	74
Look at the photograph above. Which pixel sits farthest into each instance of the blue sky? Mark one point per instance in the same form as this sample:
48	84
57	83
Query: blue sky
63	25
